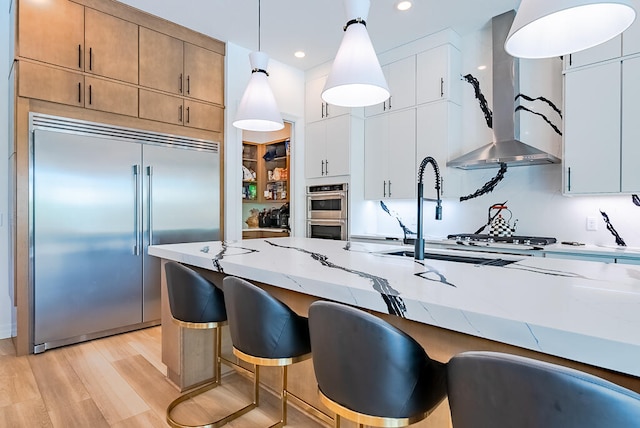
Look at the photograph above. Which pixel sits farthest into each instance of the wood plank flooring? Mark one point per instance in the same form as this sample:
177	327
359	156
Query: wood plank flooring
118	381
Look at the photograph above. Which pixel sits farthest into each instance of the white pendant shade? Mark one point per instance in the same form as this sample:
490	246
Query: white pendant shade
550	28
356	78
258	110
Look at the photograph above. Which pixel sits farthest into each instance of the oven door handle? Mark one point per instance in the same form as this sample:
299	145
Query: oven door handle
326	195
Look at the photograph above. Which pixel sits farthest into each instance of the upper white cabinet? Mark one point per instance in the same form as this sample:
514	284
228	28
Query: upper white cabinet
631	38
315	107
438	75
389	156
602	52
630	124
592	130
438	129
401	78
328	142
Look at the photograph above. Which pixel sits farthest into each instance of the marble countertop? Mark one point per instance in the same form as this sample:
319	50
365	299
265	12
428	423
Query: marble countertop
579	310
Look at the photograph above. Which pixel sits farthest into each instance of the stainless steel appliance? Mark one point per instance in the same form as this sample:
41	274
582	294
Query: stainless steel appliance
100	195
327	211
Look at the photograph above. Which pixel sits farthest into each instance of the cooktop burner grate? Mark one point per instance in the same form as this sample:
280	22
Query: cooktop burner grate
526	240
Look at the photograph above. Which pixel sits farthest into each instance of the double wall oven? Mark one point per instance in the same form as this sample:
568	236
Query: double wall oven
327	209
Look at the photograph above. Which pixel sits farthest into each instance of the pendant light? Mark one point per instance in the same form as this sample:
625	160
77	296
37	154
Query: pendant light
550	28
258	110
356	79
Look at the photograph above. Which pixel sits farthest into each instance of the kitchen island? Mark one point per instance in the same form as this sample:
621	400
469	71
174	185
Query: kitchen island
582	314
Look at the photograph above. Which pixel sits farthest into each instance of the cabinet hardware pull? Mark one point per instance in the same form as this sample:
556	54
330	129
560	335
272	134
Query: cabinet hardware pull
570	62
180	114
188	84
322	168
384	106
442	87
79	56
150	204
90	58
89	94
326	109
187	114
389	102
384	189
569	181
181	83
322	110
389	188
326	167
79	92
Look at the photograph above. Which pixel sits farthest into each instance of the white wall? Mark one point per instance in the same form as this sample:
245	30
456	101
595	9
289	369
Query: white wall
287	84
6	306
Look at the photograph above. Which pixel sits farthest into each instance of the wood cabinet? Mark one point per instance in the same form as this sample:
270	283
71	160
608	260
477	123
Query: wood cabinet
438	75
50	84
110	96
180	111
389	156
315	108
270	164
111	46
401	78
171	65
51	32
327	151
261	233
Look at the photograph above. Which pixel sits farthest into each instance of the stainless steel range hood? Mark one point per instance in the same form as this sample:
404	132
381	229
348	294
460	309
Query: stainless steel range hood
507	147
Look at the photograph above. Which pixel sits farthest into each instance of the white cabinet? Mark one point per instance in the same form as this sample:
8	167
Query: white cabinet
327	149
592	130
389	156
437	130
315	107
438	75
602	52
631	38
401	78
630	124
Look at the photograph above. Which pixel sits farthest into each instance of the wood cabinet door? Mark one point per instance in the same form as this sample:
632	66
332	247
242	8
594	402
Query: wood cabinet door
592	130
161	59
50	84
52	32
113	97
203	116
204	74
161	107
111	46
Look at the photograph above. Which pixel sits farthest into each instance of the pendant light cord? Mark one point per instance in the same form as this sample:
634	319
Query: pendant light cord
259	70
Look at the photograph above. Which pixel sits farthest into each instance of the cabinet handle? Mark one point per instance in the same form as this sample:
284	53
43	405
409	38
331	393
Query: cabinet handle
389	102
89	94
569	180
389	188
322	110
187	114
150	203
326	167
384	189
181	83
136	203
79	56
79	92
441	87
180	114
188	86
570	62
322	168
90	58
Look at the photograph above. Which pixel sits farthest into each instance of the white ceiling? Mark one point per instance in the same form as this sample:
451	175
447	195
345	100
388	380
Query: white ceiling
315	26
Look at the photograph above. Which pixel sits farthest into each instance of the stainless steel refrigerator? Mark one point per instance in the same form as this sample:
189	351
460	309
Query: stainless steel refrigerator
99	196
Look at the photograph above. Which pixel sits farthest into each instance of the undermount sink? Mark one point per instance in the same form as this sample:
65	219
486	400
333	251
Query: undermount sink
484	261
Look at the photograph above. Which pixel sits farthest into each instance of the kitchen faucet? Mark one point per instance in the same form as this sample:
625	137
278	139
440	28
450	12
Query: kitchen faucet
419	246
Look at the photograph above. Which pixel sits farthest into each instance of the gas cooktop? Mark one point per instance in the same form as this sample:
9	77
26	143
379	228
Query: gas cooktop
524	240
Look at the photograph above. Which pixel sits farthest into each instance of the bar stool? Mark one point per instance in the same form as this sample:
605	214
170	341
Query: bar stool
491	389
370	372
264	332
195	303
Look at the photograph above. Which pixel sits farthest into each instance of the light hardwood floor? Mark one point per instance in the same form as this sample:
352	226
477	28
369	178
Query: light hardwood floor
118	381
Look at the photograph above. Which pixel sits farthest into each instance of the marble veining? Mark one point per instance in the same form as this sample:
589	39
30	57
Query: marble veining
579	310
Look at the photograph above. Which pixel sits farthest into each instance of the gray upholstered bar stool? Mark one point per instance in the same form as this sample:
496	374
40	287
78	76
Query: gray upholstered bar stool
370	372
195	303
491	389
264	332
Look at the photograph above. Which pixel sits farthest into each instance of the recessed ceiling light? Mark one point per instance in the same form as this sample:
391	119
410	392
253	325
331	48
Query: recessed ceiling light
403	5
299	54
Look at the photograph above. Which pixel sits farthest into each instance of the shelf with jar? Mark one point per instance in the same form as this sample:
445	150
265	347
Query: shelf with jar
266	172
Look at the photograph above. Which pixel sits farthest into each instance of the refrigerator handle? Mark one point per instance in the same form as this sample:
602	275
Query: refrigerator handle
136	209
150	204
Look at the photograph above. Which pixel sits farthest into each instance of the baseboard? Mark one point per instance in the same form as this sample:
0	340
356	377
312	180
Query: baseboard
5	331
